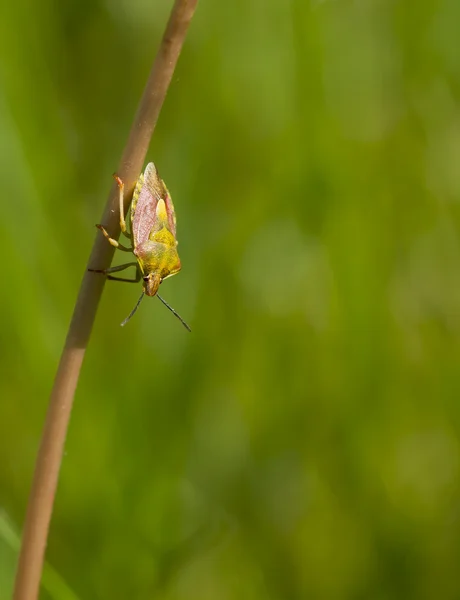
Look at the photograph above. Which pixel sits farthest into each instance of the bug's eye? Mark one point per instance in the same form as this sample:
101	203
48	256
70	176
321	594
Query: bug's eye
146	278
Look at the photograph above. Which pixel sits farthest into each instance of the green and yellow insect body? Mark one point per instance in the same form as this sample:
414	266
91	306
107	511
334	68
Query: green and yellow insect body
153	230
152	234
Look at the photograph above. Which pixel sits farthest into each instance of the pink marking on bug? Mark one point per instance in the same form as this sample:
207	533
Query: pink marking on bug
144	216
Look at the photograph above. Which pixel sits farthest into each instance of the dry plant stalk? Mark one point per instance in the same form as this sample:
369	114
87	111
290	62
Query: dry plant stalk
40	507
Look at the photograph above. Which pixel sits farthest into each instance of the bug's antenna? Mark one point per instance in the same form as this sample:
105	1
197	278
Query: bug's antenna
173	312
133	311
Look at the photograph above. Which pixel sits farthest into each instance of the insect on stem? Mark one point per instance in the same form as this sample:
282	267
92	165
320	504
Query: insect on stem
152	232
174	313
134	310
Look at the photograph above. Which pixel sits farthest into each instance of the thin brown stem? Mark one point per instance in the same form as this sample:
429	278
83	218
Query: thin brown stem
49	457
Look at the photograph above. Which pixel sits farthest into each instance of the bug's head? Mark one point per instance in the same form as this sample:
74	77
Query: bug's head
151	284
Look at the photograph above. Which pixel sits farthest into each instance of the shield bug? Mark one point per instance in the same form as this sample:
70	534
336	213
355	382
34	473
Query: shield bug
152	234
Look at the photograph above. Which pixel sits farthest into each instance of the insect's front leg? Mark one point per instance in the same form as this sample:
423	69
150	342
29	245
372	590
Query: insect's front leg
125	279
120	268
112	241
121	190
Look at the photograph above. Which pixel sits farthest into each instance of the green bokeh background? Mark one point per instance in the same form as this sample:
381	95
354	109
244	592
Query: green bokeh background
303	441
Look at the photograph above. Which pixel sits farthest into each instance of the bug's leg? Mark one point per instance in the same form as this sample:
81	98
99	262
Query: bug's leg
112	241
119	268
125	279
121	189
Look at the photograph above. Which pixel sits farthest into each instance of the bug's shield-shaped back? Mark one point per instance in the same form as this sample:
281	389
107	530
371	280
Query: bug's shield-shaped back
153	225
146	216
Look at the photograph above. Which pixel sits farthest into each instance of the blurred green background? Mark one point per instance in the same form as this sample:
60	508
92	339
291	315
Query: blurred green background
303	441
